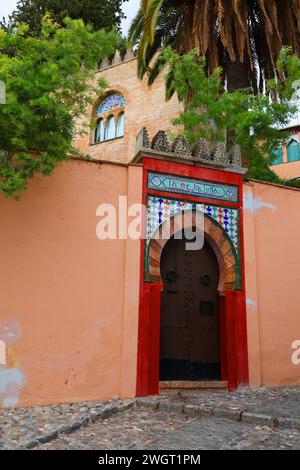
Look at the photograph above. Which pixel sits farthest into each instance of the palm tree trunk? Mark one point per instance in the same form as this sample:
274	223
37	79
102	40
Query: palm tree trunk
237	74
237	77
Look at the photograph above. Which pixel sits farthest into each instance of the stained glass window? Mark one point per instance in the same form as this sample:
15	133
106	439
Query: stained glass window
115	100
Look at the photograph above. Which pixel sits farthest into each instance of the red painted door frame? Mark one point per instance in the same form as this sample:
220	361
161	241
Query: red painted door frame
233	331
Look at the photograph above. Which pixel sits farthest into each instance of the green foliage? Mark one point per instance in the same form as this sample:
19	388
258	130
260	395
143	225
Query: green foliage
241	117
99	13
168	32
294	183
288	71
48	88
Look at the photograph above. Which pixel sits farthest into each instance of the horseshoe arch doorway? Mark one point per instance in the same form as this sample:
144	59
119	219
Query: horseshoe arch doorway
189	319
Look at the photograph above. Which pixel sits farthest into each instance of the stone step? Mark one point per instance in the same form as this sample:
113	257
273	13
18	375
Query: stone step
185	384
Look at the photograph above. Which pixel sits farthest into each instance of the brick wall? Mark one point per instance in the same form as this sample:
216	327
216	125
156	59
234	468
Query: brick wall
145	106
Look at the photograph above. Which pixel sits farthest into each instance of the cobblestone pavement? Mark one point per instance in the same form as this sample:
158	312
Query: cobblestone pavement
221	434
187	420
163	431
279	401
23	425
132	429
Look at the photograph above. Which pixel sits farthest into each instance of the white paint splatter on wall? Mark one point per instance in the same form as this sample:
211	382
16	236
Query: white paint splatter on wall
11	382
255	204
2	353
12	379
251	303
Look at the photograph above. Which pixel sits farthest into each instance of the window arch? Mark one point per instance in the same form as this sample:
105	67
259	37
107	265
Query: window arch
115	100
110	118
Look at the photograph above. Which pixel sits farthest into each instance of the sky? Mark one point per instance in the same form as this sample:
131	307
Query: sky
130	8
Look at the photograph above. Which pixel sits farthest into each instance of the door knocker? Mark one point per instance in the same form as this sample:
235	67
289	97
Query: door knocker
172	276
206	280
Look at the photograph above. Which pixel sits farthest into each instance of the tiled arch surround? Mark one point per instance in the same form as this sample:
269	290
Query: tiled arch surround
213	232
223	227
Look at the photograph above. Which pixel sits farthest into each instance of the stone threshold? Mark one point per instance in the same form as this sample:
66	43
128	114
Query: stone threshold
192	385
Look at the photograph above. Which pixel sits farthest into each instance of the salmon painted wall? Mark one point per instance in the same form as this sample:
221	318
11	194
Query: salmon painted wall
272	264
287	170
62	315
69	301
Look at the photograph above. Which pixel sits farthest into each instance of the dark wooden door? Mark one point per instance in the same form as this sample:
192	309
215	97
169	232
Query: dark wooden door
190	339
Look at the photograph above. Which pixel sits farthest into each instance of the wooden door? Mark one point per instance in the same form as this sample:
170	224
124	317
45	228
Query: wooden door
190	337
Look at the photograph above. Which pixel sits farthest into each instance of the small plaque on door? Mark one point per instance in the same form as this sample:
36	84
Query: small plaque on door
206	308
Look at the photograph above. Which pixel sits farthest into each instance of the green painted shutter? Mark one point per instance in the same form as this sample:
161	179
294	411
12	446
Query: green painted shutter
293	151
277	156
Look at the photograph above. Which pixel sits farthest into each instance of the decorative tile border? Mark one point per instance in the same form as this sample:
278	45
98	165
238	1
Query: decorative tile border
161	209
192	187
111	101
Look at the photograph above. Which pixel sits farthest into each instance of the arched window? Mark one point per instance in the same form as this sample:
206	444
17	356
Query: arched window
120	125
110	118
110	128
99	132
293	151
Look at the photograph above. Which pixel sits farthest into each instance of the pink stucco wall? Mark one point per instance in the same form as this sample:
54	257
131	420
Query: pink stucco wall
287	170
272	231
69	301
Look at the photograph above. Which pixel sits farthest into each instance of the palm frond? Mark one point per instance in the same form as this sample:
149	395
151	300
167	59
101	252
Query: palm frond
250	32
136	28
151	14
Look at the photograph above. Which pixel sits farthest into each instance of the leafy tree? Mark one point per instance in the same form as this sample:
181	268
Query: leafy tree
237	35
100	13
49	85
210	111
